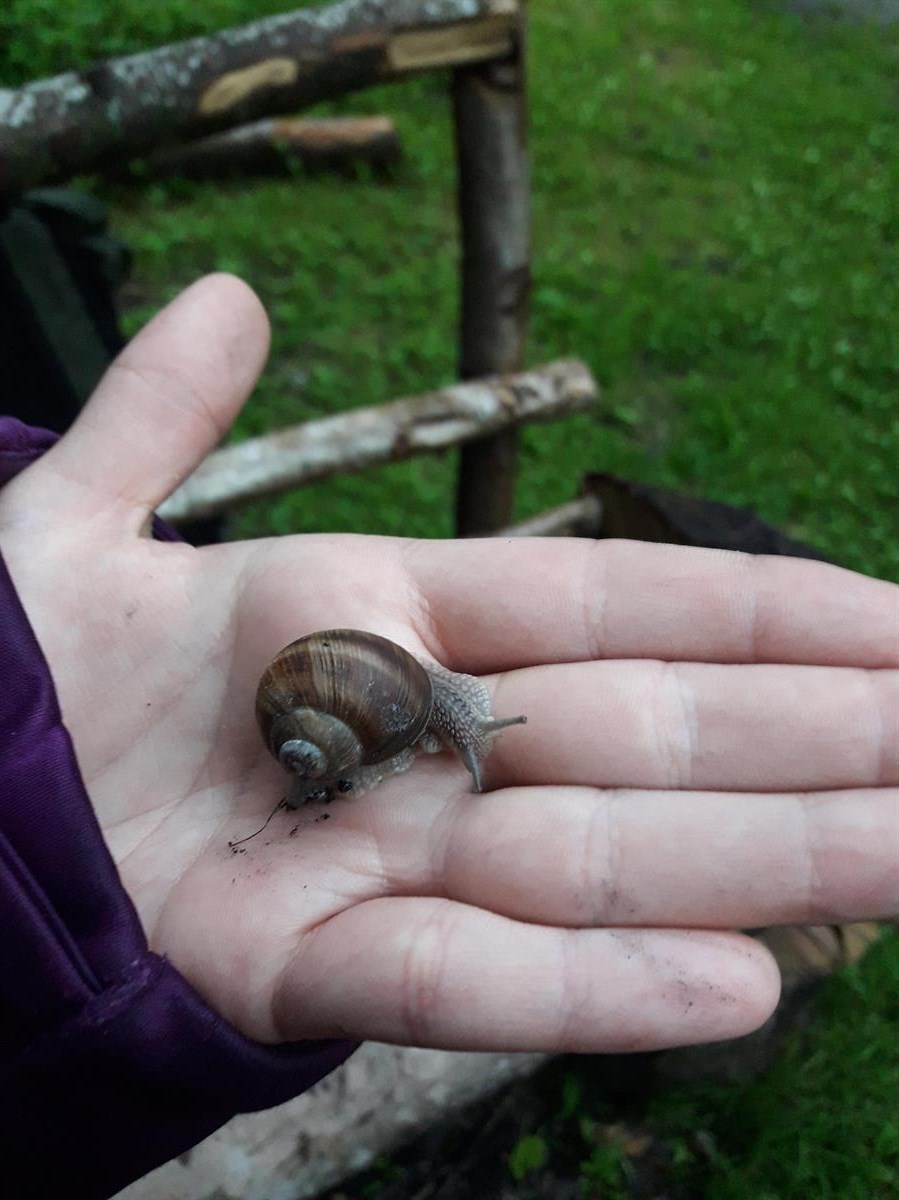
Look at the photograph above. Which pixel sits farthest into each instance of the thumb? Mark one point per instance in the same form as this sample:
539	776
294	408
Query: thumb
164	403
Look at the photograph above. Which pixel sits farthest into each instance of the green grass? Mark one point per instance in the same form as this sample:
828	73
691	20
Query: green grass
715	233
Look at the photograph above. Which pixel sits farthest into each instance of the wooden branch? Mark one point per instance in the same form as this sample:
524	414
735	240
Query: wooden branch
578	518
489	106
365	437
270	145
117	109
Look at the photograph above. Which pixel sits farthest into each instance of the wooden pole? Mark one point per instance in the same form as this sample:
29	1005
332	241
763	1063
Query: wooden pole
489	108
122	108
365	437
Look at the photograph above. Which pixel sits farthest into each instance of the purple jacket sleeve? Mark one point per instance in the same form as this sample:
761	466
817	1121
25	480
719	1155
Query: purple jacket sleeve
110	1063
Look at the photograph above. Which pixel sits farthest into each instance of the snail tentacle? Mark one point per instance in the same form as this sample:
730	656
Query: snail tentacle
461	718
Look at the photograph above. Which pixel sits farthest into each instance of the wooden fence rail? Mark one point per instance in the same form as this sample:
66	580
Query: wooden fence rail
577	518
80	120
365	437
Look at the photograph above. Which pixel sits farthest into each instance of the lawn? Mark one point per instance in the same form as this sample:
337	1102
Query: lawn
715	233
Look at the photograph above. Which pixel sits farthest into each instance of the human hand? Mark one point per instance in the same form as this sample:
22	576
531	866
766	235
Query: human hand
711	745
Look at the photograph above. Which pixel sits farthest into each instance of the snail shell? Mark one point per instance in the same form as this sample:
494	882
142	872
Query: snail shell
343	708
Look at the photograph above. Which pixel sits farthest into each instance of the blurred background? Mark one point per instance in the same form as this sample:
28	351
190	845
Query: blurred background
715	224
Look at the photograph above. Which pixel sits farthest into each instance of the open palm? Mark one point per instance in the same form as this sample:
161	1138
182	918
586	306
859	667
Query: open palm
711	745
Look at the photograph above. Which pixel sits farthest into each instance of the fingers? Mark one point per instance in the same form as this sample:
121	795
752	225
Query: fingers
436	973
584	858
491	605
699	725
165	402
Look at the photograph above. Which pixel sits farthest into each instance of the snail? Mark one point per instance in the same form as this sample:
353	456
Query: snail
342	709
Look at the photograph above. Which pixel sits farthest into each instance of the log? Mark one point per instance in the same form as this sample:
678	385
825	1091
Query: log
489	109
365	437
577	518
269	147
380	1098
83	120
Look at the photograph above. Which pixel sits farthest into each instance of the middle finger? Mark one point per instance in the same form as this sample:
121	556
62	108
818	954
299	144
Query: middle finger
759	727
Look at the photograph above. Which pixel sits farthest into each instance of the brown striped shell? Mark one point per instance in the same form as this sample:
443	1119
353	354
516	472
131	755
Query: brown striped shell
342	699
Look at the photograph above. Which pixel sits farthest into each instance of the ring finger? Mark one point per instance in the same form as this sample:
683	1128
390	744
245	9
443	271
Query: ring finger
584	858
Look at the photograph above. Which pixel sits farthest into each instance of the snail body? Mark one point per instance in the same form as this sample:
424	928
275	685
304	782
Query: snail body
343	709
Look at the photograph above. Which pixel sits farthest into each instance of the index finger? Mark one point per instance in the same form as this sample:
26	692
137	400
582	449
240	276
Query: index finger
492	605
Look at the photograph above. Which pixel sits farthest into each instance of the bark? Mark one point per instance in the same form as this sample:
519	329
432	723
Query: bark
120	108
366	437
489	106
270	146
